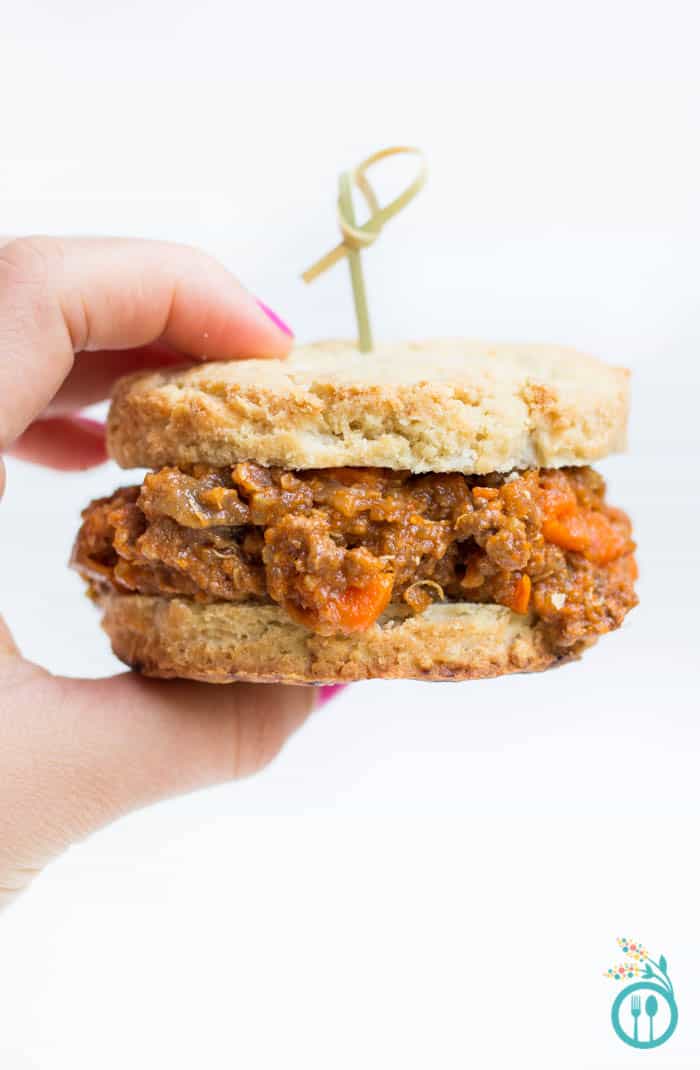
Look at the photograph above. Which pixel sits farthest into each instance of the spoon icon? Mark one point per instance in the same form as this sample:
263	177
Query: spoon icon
651	1006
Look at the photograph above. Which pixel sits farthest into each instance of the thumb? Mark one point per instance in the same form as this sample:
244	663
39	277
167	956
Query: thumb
76	754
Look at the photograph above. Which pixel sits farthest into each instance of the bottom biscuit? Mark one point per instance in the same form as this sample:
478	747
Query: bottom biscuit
223	642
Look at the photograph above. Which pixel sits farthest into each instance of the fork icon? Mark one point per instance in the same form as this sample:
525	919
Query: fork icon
635	1011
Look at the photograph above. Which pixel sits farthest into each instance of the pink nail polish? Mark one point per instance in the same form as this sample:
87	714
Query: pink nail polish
275	318
325	694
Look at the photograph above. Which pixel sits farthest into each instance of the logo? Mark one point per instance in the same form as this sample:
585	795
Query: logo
644	1014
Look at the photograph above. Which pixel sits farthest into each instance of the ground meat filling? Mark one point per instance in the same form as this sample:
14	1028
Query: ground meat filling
335	546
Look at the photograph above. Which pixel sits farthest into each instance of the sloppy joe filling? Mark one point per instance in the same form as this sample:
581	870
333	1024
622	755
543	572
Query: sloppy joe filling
334	547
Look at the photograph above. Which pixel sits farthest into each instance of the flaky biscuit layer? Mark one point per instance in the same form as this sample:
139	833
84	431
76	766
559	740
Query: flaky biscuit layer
223	642
470	407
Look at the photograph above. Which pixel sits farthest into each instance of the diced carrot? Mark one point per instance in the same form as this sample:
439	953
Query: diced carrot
521	597
585	531
589	533
557	500
567	532
605	541
352	611
358	607
486	494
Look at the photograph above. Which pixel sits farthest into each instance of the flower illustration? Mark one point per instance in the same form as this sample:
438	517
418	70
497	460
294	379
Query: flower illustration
623	972
639	964
633	948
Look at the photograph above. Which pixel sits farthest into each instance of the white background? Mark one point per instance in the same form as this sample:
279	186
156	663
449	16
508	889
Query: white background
429	875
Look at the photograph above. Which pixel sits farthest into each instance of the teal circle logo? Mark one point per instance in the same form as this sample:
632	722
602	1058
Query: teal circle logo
644	1014
648	1005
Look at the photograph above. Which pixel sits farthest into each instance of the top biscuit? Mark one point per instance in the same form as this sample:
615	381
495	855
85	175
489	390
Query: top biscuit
443	406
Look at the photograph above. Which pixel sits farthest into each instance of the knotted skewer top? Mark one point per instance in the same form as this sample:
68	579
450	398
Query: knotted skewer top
359	236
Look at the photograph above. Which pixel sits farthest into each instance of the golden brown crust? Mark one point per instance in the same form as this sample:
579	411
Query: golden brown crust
222	643
443	406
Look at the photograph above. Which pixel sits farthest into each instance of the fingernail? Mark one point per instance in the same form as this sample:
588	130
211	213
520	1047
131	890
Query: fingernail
325	694
275	318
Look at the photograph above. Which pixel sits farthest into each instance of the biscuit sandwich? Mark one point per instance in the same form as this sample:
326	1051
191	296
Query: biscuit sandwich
424	511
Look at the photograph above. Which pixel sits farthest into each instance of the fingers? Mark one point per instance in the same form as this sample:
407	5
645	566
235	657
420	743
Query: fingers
73	443
93	374
118	293
66	443
93	750
59	297
152	738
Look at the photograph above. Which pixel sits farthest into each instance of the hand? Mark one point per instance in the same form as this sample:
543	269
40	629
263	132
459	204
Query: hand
75	754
